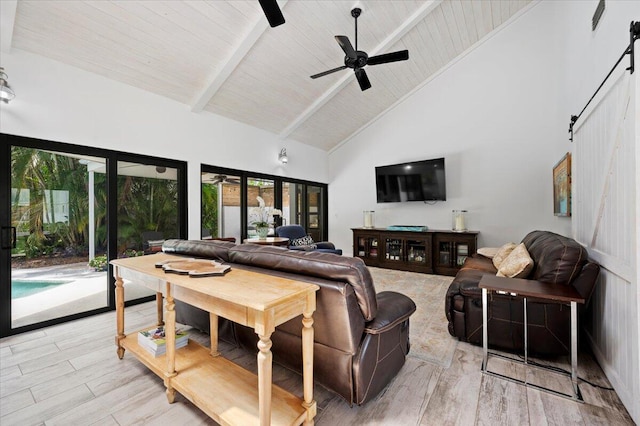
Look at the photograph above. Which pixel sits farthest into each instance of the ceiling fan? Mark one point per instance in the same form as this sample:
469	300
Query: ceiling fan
272	12
222	179
358	59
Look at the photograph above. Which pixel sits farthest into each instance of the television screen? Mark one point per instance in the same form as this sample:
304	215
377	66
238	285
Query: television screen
414	181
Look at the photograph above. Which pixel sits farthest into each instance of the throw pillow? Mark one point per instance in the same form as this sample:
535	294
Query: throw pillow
303	241
517	265
489	252
502	254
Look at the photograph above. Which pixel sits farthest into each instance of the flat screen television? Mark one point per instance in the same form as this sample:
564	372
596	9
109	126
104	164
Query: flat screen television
414	181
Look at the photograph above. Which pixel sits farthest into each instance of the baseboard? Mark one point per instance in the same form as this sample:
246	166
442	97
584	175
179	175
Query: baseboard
625	394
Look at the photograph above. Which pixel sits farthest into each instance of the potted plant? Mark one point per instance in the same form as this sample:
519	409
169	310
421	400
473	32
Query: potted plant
260	217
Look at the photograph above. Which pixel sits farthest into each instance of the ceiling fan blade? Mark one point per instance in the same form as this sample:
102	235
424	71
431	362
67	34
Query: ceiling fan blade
345	44
328	72
401	55
272	12
363	80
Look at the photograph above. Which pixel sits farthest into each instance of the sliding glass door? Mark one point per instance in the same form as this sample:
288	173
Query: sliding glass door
65	211
148	213
57	217
221	200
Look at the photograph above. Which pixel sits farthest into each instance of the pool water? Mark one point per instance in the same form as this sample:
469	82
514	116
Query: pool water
24	288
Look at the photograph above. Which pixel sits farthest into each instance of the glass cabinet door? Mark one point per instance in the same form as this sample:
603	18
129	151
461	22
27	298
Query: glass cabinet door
417	251
393	249
367	247
444	253
462	251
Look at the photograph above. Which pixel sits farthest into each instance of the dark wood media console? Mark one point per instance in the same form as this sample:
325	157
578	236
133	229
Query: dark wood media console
432	252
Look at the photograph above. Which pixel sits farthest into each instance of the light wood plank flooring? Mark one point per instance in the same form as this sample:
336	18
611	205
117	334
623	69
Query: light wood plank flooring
70	375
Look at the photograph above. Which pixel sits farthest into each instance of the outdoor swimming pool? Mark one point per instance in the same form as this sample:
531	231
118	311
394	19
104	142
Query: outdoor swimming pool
24	288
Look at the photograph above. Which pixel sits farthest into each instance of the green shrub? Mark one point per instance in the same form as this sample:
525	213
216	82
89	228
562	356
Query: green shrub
99	263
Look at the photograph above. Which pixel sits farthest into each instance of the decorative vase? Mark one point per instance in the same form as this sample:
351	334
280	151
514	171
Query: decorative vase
263	231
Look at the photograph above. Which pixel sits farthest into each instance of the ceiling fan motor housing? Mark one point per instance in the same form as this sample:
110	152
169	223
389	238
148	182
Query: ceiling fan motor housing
358	62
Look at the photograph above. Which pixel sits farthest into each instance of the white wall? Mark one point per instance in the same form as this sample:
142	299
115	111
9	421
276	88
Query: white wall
494	116
500	117
65	104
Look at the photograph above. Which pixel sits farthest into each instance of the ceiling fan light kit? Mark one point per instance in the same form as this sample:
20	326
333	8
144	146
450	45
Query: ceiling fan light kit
358	59
282	157
6	92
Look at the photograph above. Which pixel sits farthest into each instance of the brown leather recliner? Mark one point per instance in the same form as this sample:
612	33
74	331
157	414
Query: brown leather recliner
361	338
558	260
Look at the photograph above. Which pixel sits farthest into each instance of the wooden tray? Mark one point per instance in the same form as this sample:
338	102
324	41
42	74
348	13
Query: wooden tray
194	267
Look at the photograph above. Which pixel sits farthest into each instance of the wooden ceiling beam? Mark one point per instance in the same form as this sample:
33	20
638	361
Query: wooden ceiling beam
220	75
347	78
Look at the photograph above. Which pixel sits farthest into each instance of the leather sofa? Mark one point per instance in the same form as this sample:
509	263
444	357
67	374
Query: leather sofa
361	338
558	260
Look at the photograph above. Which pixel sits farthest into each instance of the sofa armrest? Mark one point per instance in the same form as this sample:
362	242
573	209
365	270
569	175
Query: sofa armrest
393	308
325	245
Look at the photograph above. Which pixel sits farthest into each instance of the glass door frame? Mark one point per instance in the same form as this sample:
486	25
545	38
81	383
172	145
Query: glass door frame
244	175
112	158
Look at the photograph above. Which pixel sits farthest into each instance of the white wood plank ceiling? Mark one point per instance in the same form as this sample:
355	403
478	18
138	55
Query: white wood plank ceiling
222	57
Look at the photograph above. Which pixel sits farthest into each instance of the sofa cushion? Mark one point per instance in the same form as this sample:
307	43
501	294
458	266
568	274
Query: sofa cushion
558	259
480	263
517	265
502	254
489	252
351	270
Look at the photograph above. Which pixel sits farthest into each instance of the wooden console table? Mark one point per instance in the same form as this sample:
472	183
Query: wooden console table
226	392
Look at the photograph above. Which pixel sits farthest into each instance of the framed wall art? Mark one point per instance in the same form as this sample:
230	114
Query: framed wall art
562	187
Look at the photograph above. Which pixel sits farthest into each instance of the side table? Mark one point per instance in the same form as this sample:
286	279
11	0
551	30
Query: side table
269	241
539	290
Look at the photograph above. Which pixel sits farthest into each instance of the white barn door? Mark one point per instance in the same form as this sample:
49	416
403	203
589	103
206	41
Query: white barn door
606	196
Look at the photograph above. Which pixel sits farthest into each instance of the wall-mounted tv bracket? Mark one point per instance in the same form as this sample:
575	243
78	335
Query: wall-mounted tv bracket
634	34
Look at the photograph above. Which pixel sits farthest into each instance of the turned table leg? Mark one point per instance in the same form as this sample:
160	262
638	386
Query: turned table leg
159	308
265	358
170	336
213	333
307	367
119	313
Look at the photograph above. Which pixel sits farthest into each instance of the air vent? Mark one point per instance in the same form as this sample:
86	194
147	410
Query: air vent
597	15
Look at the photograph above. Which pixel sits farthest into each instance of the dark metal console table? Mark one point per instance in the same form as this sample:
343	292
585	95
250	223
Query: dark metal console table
538	290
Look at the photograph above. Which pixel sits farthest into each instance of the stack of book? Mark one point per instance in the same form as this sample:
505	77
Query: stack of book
155	342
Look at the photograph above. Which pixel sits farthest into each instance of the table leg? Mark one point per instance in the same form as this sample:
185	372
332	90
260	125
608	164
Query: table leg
170	337
119	312
213	333
485	330
307	367
159	308
265	364
526	333
574	350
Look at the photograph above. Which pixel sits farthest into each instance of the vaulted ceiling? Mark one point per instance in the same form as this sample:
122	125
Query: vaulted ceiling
222	56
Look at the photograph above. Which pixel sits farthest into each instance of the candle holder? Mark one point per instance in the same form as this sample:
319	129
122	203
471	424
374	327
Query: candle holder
459	219
369	219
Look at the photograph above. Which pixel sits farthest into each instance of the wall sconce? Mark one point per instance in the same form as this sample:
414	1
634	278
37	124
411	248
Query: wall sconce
6	93
283	156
